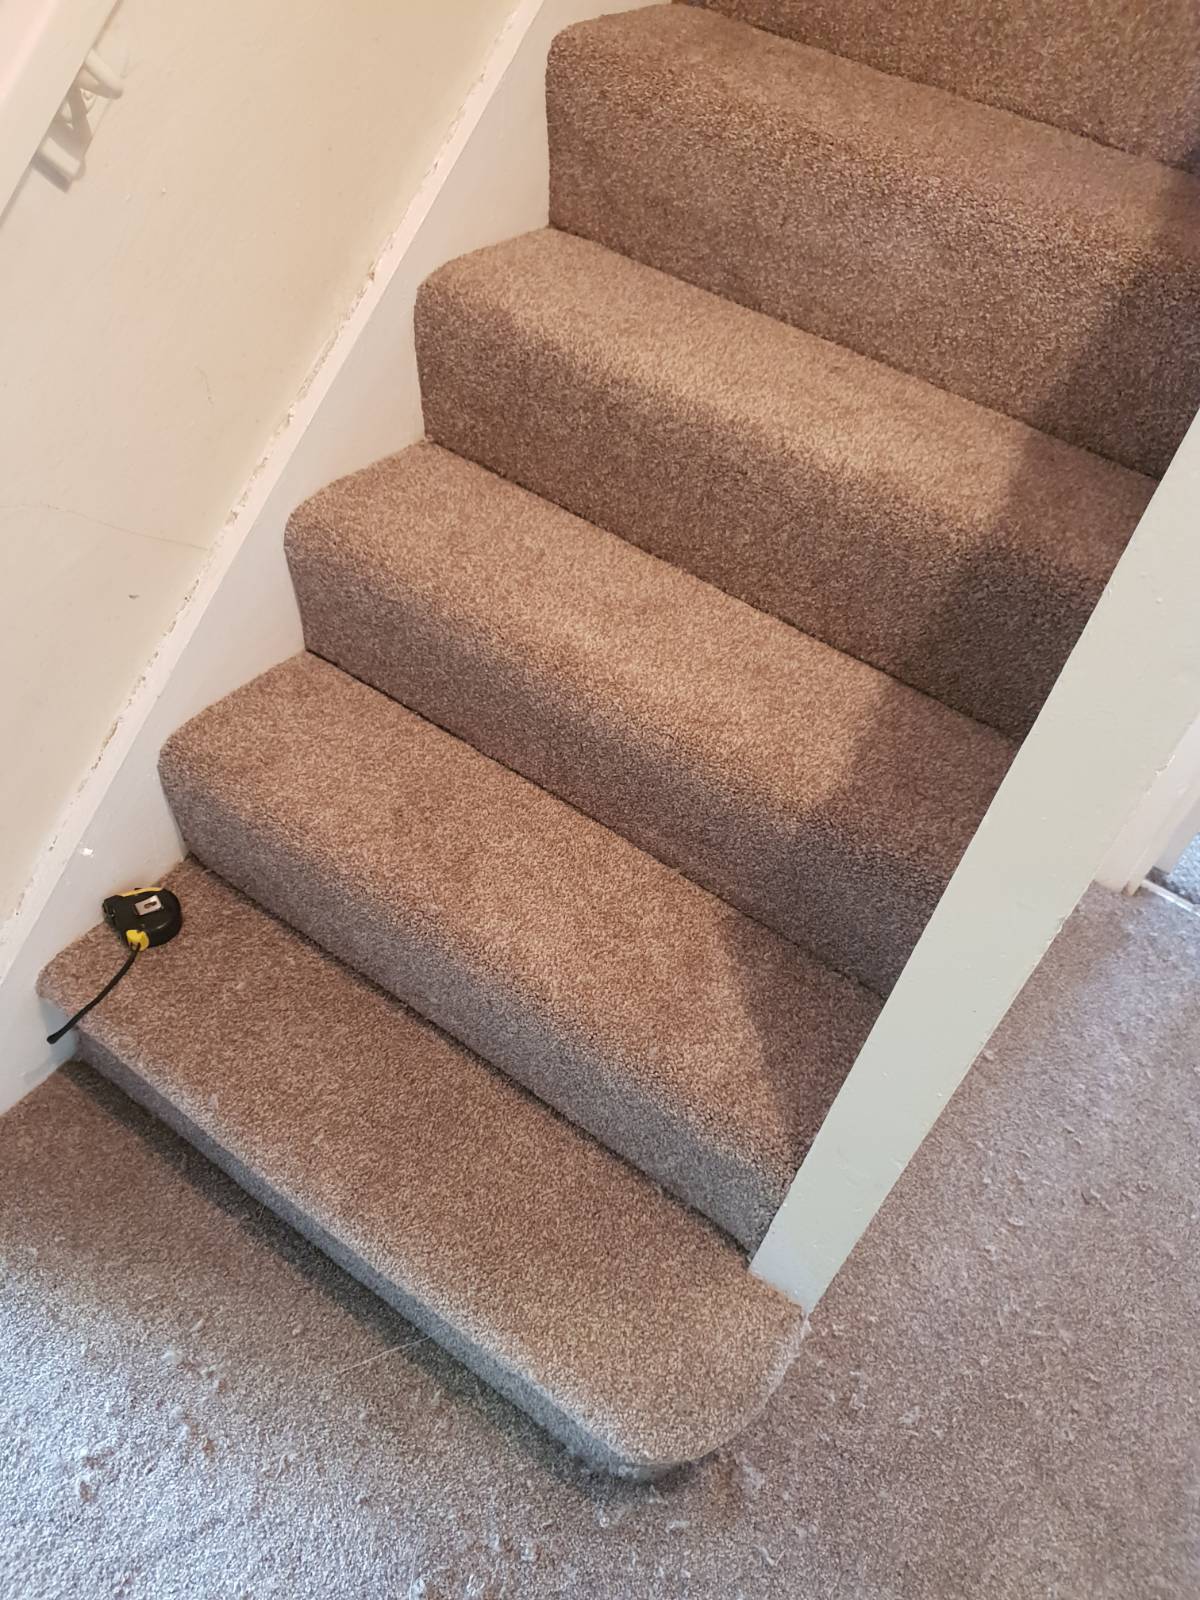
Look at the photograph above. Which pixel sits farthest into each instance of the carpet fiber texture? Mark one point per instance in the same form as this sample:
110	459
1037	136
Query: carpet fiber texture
1124	72
688	1038
997	1400
650	703
440	1184
955	548
1033	271
815	793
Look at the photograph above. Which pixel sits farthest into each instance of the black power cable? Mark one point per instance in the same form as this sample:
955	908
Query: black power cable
140	918
53	1038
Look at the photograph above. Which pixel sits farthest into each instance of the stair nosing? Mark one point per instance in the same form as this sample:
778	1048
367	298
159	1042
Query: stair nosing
614	647
848	451
138	1022
651	1092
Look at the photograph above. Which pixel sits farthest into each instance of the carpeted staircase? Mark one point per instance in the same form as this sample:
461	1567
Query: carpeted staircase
537	912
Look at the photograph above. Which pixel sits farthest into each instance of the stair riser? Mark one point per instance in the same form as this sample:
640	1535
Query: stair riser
1108	73
1083	327
617	1318
410	950
523	1395
934	576
836	895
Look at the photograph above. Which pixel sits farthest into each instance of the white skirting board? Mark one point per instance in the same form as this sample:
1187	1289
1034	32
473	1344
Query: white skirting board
362	401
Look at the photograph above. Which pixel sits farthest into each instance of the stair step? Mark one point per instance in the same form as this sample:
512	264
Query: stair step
617	1318
955	548
823	798
1035	272
692	1041
1126	75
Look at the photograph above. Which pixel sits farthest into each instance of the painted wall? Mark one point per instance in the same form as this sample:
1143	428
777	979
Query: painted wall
160	317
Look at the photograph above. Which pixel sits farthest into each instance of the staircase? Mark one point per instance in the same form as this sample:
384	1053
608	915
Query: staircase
535	914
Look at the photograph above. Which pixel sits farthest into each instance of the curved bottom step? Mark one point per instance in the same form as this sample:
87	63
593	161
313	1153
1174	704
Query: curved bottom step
620	1320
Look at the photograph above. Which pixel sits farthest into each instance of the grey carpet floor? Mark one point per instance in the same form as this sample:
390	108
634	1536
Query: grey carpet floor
998	1397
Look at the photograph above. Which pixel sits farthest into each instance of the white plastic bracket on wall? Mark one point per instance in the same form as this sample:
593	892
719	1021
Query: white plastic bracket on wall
49	104
96	86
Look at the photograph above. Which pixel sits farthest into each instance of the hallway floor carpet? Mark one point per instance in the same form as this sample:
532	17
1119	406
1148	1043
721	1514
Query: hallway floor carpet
997	1398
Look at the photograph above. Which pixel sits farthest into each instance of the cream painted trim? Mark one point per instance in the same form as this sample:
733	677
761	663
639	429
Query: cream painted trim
1164	822
362	401
1126	698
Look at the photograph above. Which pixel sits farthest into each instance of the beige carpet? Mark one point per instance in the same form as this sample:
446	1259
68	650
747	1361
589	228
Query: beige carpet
1019	266
953	547
998	1398
1127	74
806	788
653	836
686	1036
620	1319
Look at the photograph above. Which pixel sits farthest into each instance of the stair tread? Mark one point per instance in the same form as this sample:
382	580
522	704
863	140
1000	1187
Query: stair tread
1082	65
805	787
1027	268
953	547
688	1038
619	1318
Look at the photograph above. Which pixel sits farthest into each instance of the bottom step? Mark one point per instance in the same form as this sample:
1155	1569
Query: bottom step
620	1320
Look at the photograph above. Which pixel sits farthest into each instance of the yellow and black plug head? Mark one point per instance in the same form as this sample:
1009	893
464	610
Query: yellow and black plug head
140	918
144	917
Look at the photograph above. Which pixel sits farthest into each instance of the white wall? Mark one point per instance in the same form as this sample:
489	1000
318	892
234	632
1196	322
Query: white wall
157	320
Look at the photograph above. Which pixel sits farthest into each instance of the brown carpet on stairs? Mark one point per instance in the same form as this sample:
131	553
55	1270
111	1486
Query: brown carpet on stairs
955	548
1124	72
998	1399
689	1039
645	847
1030	270
529	1251
815	793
